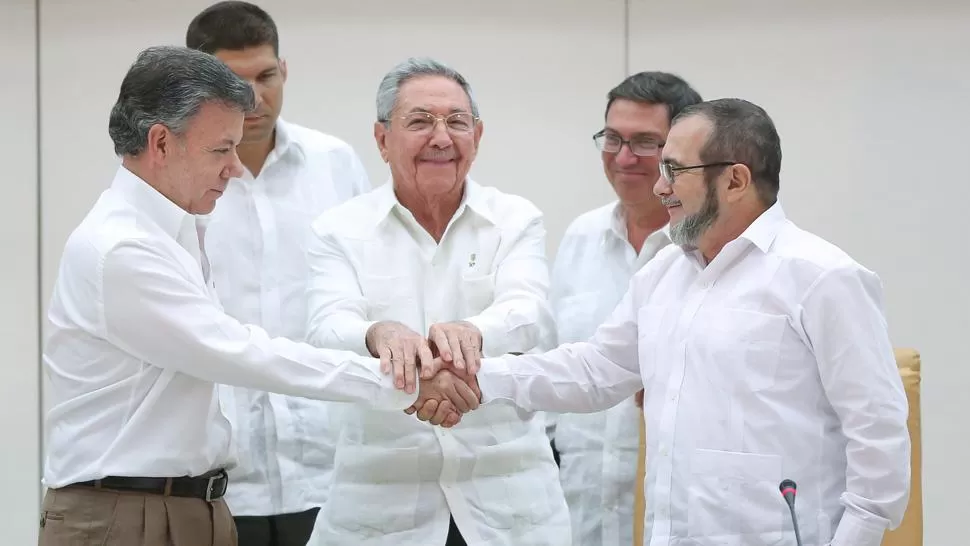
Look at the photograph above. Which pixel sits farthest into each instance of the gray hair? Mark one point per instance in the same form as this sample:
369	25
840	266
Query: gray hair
168	85
742	133
387	92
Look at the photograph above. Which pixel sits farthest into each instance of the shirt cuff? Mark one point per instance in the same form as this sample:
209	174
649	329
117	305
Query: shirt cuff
855	530
390	397
494	380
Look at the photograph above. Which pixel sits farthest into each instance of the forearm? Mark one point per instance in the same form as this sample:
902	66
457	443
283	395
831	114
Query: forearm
574	378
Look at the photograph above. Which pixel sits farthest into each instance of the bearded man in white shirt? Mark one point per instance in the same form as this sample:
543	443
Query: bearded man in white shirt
435	266
763	351
256	241
138	441
599	253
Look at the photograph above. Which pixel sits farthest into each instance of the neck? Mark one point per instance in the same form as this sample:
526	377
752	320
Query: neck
725	229
432	212
642	221
253	154
143	170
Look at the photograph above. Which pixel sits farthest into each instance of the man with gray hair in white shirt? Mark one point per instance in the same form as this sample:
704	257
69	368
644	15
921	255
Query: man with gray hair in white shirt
139	442
763	352
434	266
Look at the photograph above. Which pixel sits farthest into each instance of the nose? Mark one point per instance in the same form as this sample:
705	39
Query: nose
257	92
440	138
625	157
235	167
662	188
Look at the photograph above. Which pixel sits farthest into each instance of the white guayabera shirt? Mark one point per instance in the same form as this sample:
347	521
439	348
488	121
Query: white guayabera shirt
598	451
137	342
771	362
256	243
397	478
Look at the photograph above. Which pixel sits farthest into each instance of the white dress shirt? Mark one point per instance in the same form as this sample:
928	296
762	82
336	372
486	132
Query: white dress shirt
137	340
771	362
598	451
396	477
256	243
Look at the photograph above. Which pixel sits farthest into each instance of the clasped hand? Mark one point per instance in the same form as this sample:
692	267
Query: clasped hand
447	360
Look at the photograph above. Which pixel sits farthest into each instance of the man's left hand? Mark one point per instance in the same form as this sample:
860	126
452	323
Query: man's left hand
458	344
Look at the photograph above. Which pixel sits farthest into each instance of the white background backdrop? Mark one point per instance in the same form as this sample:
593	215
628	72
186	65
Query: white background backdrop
870	100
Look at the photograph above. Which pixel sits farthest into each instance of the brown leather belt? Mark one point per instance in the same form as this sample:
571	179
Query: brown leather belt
209	486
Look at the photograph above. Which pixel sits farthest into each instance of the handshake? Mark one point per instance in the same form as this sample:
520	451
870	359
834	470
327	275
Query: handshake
444	366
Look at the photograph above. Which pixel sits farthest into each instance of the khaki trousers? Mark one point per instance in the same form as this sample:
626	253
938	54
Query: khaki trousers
82	516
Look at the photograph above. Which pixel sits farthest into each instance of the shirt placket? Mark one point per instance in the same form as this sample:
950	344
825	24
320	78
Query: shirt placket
277	416
667	431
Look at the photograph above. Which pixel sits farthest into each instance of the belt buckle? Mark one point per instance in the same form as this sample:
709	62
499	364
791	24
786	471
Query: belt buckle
210	486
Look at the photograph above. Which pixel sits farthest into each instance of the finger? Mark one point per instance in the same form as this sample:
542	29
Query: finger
384	352
639	398
452	395
429	364
444	409
409	363
427	410
397	365
470	351
440	340
410	409
468	395
454	346
453	419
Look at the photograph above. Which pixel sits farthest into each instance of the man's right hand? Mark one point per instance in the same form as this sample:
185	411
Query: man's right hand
443	398
401	350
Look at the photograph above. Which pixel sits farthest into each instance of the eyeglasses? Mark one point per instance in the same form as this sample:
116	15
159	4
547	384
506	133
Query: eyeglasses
425	122
611	143
669	172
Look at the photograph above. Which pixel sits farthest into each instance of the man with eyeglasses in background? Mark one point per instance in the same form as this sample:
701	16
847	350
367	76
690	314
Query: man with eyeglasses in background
435	265
599	253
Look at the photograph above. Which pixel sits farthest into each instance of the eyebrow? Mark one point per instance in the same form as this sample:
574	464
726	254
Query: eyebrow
673	162
647	134
454	110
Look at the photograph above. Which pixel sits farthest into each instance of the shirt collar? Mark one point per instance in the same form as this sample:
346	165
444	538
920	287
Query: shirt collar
617	227
765	228
169	217
286	140
473	198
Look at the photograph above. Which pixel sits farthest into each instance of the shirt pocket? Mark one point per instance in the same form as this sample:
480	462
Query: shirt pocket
515	485
388	297
733	498
477	293
375	490
746	345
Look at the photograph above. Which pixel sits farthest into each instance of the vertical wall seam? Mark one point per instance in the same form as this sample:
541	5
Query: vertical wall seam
40	255
626	38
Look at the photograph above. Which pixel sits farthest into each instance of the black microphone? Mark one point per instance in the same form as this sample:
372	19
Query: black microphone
788	488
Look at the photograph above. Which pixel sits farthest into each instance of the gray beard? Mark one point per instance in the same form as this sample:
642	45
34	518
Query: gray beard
686	233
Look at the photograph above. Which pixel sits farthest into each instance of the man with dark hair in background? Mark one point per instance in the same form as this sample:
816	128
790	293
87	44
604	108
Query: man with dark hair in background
599	253
256	242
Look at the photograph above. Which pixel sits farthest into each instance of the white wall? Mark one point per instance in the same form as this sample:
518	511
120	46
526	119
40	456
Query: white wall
19	424
869	109
873	116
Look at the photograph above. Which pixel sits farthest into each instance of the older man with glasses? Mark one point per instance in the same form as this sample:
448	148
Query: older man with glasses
434	266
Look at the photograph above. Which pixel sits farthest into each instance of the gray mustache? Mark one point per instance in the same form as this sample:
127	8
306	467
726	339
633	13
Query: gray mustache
669	201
